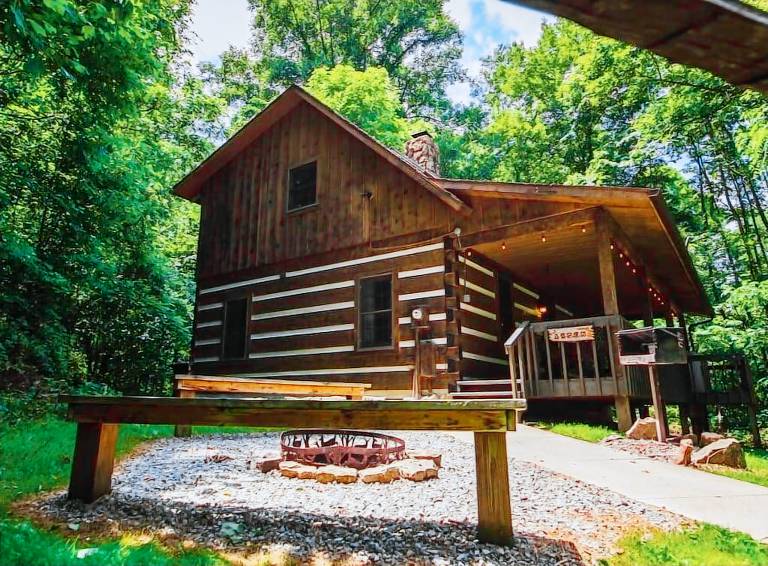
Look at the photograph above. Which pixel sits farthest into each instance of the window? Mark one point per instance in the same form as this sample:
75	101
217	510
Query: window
235	326
375	307
302	186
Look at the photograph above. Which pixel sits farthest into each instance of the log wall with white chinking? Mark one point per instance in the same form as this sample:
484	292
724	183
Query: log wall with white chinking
303	320
482	344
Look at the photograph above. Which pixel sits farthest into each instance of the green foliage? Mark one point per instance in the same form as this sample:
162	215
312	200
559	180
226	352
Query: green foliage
88	149
590	433
366	98
706	545
414	40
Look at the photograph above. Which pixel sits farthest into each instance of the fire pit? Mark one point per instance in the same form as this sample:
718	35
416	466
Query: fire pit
351	448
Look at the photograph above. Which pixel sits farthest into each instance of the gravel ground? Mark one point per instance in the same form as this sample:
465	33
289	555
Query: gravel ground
648	448
174	488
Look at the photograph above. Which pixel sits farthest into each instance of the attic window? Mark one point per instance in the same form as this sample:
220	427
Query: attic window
302	186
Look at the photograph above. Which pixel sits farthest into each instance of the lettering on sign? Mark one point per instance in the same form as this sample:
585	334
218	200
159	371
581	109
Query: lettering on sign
572	333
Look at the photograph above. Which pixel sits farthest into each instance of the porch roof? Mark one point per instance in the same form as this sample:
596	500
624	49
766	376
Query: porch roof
638	216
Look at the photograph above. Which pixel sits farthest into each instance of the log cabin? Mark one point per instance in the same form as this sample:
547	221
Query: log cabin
324	255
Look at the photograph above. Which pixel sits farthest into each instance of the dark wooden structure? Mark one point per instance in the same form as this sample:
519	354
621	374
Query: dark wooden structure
325	290
98	419
725	37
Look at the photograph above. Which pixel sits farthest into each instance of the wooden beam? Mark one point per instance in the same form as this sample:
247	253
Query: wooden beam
659	407
392	415
276	386
543	224
607	273
494	510
629	197
93	460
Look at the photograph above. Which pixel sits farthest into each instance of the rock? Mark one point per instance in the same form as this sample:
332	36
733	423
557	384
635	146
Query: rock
723	452
426	455
416	470
686	449
266	464
296	470
709	438
692	437
643	429
336	474
379	474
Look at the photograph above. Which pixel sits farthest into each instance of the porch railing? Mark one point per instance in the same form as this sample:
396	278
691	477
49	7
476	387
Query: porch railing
572	369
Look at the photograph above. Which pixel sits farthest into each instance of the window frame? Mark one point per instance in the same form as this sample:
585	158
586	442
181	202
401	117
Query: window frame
247	321
298	165
394	334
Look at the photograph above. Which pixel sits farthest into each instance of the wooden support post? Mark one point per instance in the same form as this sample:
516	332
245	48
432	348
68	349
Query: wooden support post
662	425
93	461
623	412
699	419
184	431
643	411
684	419
494	510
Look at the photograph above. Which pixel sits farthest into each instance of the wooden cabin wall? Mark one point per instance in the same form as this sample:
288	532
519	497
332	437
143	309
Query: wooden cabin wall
303	320
482	330
244	223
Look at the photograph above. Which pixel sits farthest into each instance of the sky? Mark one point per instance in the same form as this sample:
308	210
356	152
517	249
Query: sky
485	24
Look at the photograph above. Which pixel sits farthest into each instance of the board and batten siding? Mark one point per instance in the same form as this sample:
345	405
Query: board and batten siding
303	320
360	198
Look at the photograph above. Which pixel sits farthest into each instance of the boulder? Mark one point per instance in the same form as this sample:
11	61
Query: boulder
296	470
643	429
723	452
426	455
336	474
416	470
684	456
691	437
709	438
379	474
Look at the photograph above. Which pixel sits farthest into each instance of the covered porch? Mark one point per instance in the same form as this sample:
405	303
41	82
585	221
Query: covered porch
567	282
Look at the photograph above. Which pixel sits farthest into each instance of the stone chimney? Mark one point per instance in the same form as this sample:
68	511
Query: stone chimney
423	150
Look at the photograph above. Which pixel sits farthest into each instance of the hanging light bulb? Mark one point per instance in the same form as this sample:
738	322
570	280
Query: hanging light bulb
543	238
612	246
583	229
503	245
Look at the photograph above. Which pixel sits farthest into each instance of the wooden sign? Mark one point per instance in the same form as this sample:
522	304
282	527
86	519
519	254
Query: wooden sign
572	333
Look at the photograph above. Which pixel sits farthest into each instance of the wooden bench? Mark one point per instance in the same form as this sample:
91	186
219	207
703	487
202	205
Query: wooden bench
188	386
98	419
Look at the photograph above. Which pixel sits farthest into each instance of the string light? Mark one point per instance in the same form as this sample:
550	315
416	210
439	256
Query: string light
503	245
583	229
654	293
543	238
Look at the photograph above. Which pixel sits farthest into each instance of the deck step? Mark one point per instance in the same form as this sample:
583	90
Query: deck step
485	394
485	382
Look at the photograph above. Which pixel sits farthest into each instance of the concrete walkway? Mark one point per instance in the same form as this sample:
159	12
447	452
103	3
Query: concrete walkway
693	493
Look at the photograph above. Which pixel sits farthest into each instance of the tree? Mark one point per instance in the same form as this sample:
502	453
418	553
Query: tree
414	40
88	149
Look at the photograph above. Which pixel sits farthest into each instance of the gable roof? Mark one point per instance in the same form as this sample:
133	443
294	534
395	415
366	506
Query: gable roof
192	184
641	214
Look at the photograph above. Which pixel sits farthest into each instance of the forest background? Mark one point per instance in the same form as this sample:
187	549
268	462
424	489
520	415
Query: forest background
101	113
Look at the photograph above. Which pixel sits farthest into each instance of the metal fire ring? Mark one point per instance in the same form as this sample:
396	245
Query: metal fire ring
353	448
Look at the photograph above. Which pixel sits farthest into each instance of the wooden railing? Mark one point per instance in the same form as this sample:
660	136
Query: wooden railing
547	369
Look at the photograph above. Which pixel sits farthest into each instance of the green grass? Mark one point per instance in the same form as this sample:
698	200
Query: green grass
590	433
35	456
756	472
706	545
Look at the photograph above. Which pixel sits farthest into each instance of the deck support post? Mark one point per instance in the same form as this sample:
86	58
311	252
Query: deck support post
184	431
659	407
623	412
93	461
494	509
685	426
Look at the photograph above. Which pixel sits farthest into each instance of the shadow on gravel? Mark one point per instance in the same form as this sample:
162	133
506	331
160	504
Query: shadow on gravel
348	539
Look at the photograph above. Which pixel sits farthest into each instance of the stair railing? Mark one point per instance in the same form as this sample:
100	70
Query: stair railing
515	346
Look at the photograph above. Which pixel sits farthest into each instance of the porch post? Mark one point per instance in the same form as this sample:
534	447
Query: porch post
611	307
